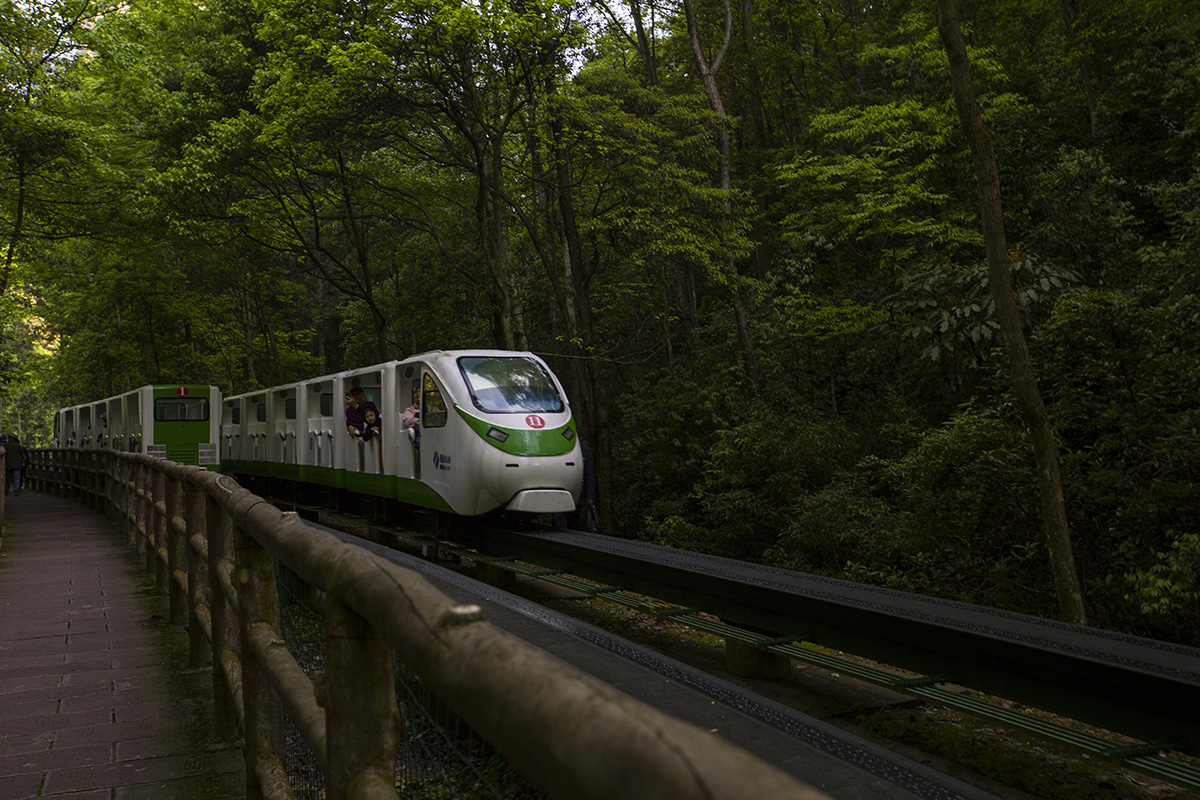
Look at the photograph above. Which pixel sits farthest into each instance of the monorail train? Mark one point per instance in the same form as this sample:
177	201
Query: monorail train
172	421
495	432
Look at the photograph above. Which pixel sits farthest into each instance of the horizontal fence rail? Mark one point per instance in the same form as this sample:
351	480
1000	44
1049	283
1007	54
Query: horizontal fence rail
212	547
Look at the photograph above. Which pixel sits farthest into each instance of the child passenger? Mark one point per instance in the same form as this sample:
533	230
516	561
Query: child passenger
371	426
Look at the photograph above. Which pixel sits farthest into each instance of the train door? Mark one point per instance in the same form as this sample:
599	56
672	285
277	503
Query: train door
408	393
100	415
283	419
364	453
134	424
320	424
231	429
86	434
372	447
66	427
115	428
437	445
256	427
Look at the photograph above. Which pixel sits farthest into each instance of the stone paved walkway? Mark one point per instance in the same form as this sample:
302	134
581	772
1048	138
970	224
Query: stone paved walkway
96	699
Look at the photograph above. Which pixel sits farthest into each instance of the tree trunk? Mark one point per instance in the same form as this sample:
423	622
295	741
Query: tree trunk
580	275
708	76
18	222
644	45
491	225
762	253
1029	399
1072	11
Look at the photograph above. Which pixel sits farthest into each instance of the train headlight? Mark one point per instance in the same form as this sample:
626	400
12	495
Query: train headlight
568	434
498	435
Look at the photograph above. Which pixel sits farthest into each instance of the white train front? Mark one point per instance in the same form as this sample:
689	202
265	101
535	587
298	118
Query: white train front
495	431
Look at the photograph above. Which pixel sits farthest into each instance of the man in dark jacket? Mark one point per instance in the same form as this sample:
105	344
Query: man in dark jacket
14	464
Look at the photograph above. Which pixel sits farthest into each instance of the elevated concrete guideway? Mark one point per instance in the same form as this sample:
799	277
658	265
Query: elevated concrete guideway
96	698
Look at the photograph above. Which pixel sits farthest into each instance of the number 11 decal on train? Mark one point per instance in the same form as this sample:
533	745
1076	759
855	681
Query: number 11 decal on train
466	432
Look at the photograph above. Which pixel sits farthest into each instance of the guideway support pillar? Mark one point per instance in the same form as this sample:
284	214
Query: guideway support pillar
751	661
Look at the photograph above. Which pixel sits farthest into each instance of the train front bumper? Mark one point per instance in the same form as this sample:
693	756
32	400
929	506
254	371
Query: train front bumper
542	501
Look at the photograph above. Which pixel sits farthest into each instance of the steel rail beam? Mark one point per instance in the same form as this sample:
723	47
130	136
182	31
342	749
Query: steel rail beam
1139	687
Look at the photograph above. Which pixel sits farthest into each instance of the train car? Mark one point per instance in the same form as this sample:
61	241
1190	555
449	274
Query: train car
495	432
173	421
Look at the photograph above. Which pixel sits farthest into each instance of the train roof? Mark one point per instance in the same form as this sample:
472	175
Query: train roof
427	357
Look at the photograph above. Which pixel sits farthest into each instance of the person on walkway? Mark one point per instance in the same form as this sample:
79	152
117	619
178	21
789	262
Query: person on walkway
15	460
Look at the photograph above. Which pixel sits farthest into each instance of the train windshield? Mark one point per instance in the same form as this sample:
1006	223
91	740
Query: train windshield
510	384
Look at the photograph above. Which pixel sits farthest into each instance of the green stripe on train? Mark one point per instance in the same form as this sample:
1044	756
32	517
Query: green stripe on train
521	442
406	490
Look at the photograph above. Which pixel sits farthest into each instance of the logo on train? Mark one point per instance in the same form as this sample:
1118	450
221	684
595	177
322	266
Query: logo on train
535	422
441	461
182	391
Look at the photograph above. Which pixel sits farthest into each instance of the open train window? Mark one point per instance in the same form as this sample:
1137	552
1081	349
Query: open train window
289	408
326	404
261	412
181	409
433	404
237	415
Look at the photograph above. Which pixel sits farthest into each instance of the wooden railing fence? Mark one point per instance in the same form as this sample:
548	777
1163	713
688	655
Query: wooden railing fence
211	546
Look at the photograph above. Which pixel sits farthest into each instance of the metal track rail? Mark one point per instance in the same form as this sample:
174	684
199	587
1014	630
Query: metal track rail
1140	688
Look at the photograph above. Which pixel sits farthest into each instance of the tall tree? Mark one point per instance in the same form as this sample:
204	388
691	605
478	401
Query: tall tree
1025	387
708	77
38	41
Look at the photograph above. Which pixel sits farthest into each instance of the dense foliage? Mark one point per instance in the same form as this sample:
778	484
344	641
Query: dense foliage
797	363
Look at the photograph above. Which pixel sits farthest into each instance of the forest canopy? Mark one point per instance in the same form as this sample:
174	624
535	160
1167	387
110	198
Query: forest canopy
747	237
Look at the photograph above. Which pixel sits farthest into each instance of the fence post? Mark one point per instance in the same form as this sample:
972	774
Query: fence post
140	524
362	722
177	549
198	601
226	657
133	502
70	490
112	473
258	602
99	481
123	473
87	478
158	527
146	521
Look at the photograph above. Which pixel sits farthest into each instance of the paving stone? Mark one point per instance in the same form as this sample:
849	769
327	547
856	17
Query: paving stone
92	680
